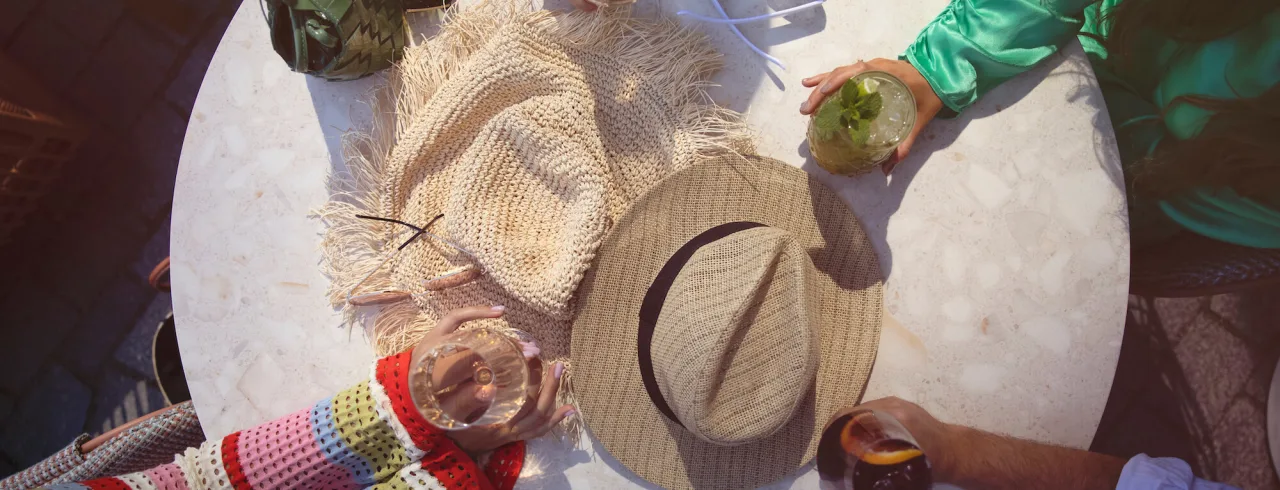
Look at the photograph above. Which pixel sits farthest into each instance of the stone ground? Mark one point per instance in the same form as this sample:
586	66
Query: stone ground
78	317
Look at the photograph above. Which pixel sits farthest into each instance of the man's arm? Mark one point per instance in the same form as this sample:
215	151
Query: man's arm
975	459
978	459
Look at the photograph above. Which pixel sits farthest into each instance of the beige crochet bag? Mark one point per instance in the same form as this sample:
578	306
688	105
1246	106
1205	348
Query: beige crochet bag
531	132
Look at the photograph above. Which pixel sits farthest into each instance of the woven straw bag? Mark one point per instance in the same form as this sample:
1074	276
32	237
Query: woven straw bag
152	441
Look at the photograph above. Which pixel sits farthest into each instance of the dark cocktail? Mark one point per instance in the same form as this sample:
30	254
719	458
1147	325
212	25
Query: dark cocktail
870	450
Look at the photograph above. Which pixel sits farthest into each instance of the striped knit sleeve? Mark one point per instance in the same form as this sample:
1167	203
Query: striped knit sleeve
367	436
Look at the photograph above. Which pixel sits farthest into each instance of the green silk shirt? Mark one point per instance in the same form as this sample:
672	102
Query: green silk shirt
975	45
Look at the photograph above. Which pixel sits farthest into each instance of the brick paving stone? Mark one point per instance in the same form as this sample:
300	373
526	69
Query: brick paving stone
89	21
1177	315
1252	314
49	52
1226	306
106	323
155	250
97	242
47	418
157	142
85	265
129	71
135	350
185	86
1241	439
80	175
1216	365
35	323
15	13
135	45
184	18
119	398
117	193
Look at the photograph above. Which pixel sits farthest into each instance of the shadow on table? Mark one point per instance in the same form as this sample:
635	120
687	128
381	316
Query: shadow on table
547	459
347	107
745	70
343	108
799	25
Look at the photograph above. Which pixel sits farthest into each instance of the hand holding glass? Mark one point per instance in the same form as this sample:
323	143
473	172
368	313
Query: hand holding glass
486	386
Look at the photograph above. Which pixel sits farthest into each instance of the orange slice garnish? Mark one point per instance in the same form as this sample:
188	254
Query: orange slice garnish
891	457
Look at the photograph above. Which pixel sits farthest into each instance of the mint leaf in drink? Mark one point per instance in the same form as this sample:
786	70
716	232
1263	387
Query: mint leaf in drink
859	104
849	95
859	132
869	106
828	120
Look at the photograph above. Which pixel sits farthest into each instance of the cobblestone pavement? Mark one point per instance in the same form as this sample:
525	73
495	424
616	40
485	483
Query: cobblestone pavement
78	317
1192	383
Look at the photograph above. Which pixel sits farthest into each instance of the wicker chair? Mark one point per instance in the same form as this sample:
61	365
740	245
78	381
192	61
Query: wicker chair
1192	265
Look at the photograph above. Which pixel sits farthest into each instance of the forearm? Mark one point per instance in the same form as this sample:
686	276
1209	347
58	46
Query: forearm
366	435
989	461
975	45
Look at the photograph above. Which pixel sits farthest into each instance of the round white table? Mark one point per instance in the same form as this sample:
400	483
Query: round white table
1003	237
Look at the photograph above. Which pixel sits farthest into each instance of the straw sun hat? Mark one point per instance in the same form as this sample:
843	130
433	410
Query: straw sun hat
732	310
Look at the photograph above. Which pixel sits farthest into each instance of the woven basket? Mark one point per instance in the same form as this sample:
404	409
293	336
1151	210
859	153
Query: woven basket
37	137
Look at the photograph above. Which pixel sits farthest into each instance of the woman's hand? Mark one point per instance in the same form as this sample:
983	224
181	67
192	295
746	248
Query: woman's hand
927	103
533	420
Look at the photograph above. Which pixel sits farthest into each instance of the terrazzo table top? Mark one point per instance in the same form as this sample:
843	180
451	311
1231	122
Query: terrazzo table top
1003	237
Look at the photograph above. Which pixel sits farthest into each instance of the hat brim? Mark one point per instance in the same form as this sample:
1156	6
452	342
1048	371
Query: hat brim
607	381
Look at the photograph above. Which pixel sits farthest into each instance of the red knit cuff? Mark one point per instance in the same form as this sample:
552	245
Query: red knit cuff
393	375
505	464
449	464
231	462
108	483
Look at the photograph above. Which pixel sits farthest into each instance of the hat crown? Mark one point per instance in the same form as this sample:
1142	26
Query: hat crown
735	347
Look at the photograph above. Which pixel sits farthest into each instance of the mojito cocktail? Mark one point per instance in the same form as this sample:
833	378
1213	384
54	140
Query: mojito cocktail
859	127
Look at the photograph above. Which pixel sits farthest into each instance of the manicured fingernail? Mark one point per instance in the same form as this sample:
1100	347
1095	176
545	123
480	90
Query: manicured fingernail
559	369
530	350
804	107
570	413
499	308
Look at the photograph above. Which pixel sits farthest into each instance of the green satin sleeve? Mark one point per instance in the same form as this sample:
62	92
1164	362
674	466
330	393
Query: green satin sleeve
974	45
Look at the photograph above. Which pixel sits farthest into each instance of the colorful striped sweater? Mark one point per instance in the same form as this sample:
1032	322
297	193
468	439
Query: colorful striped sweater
368	436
